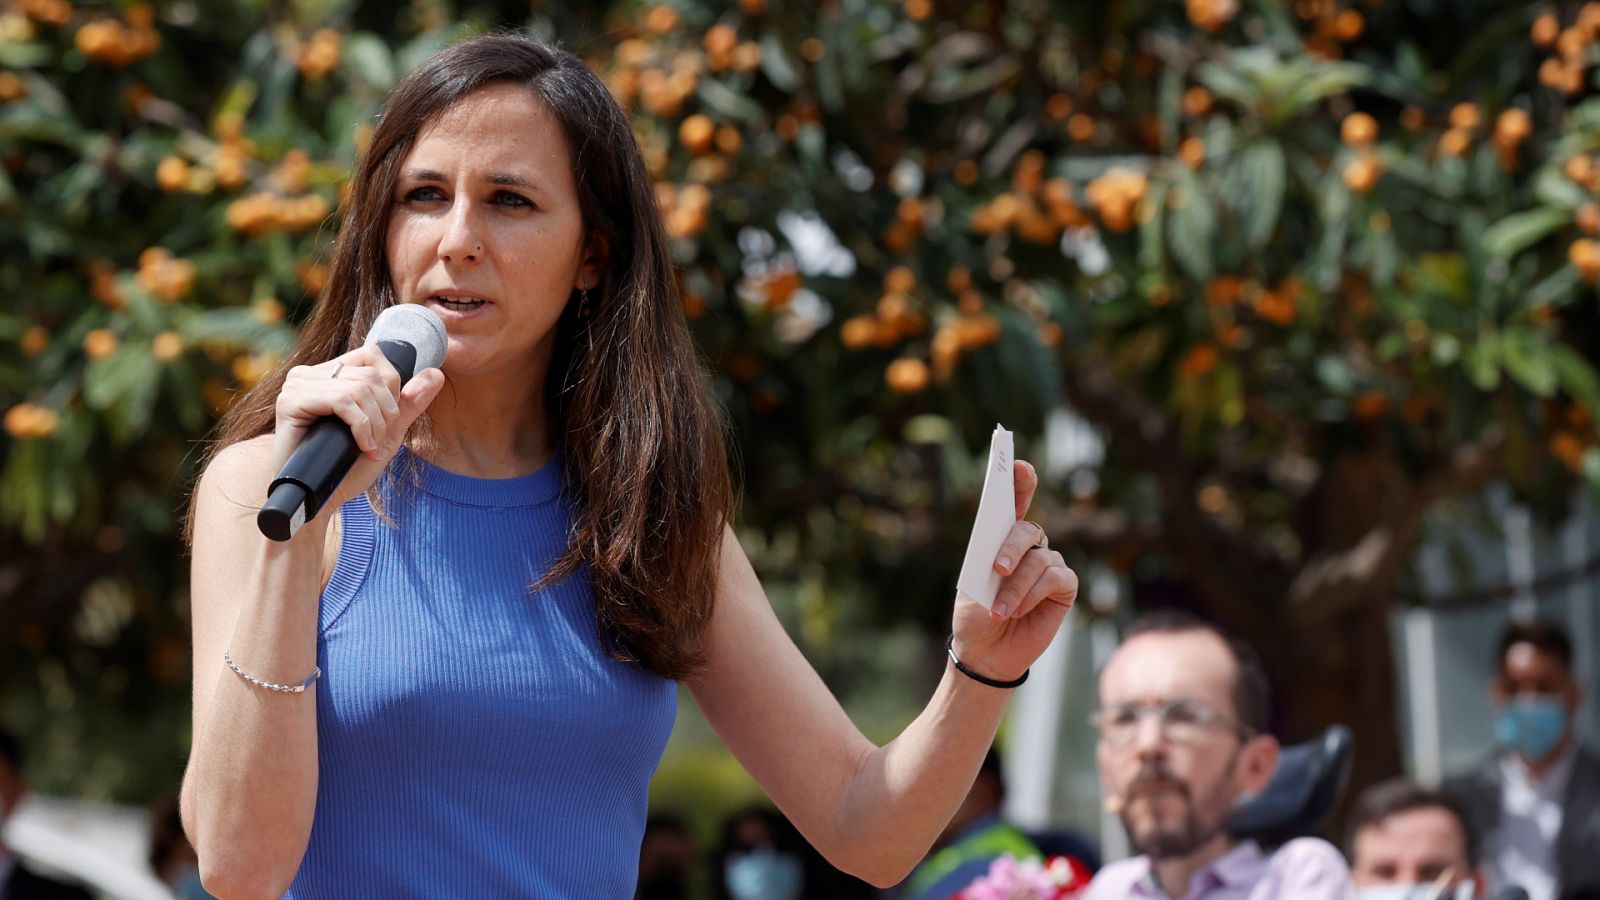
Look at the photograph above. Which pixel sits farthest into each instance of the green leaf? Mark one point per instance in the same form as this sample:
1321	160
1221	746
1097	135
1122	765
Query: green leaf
417	50
1558	288
1528	361
1591	467
133	409
1228	84
1555	189
8	193
1483	362
728	103
368	58
24	56
1519	231
1192	230
106	380
1577	375
1152	245
1262	167
948	85
776	64
234	327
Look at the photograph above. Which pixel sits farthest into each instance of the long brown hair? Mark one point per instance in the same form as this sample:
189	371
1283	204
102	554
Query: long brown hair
641	443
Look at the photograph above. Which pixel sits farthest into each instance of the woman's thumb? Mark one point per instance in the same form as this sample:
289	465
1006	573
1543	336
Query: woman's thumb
418	394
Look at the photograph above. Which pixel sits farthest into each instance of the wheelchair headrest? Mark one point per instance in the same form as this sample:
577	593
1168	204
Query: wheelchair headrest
1303	791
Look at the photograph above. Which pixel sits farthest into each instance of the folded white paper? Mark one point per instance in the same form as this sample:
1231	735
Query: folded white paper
997	513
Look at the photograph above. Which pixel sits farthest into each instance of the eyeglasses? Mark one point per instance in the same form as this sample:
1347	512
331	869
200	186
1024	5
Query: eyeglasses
1181	721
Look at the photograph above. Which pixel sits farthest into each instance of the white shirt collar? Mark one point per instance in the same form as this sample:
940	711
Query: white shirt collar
1514	769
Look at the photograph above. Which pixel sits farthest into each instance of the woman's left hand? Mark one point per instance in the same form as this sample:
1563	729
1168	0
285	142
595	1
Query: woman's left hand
1036	591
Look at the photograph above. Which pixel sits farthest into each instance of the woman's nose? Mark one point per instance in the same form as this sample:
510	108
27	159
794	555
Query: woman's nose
461	241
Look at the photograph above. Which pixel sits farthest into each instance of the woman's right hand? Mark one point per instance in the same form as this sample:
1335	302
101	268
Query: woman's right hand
367	396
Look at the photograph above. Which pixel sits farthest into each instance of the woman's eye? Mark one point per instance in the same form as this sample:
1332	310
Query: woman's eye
506	198
424	194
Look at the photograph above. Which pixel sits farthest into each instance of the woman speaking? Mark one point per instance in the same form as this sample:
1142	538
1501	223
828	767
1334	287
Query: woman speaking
458	678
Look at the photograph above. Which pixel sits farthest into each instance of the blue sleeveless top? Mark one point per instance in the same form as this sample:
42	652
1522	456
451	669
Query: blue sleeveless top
473	739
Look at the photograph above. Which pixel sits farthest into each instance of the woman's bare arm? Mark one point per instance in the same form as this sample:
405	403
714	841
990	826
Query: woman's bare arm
872	811
251	785
250	790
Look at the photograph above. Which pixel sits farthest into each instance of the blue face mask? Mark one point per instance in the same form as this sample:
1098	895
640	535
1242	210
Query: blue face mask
1531	726
763	874
1462	891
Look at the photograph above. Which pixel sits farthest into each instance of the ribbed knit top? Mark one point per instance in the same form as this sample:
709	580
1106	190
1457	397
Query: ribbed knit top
473	739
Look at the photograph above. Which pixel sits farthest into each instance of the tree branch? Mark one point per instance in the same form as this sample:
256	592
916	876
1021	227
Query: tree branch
1098	531
1219	564
1332	582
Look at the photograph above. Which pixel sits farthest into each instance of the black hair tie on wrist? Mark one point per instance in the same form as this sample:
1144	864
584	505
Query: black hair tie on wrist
950	648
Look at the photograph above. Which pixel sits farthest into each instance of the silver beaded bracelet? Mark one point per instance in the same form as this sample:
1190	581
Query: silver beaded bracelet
280	688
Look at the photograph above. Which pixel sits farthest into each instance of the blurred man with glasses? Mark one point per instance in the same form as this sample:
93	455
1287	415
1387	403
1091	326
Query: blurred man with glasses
1182	722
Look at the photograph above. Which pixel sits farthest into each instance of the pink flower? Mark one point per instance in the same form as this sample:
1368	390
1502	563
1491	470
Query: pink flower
1060	878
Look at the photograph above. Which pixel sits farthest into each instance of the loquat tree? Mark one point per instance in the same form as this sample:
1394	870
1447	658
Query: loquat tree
1310	268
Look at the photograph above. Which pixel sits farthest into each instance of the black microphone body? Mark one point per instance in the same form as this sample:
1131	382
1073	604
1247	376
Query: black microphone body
407	335
321	461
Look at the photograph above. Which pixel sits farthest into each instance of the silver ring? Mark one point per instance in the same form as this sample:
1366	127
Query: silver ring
337	367
1043	543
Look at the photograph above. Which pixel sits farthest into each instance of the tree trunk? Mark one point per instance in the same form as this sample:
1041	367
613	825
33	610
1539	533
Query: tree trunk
1332	670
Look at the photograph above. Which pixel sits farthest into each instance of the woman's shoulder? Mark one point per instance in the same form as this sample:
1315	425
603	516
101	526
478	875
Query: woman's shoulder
247	461
234	483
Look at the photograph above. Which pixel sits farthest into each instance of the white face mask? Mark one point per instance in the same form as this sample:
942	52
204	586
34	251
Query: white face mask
1463	891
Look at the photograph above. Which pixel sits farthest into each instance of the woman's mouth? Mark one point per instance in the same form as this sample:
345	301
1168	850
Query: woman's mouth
457	304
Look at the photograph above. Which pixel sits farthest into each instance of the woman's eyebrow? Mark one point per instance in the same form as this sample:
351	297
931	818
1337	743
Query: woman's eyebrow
513	181
429	175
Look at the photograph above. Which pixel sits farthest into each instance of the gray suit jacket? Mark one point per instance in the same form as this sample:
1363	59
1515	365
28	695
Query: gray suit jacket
1578	844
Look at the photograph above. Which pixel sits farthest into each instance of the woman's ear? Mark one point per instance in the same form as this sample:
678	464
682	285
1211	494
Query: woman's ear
596	256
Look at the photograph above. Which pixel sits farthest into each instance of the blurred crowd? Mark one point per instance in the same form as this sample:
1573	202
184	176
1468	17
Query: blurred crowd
1213	807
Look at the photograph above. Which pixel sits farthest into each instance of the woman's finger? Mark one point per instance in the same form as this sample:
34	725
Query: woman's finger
1015	588
1041	575
1024	536
1056	584
415	398
384	385
360	410
1026	481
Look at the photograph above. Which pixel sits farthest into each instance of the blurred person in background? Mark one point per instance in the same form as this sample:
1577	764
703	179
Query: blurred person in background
1182	723
1405	840
977	836
761	856
458	680
668	857
1536	800
17	881
171	856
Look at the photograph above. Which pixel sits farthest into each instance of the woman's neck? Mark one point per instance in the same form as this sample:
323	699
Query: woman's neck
488	428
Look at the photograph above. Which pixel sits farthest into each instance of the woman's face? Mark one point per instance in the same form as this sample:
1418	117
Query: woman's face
486	230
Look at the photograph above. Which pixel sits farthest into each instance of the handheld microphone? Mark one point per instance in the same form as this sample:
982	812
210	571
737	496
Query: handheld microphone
411	337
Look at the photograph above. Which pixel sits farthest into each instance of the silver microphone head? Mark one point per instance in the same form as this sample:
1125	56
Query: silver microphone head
416	325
